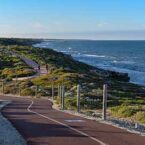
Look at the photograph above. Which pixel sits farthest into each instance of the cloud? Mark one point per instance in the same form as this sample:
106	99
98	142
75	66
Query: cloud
102	24
38	25
4	26
100	35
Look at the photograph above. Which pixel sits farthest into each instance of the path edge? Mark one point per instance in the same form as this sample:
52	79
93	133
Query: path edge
17	136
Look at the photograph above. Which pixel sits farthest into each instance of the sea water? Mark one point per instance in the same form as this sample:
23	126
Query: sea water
121	56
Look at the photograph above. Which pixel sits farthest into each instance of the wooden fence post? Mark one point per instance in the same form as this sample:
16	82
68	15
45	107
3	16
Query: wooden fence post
52	92
36	91
19	91
104	115
62	98
78	98
58	91
3	87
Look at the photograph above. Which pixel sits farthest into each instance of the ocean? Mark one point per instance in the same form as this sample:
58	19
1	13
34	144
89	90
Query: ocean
121	56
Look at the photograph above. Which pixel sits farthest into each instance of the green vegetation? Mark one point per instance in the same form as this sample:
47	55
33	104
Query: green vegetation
54	59
135	112
125	100
18	41
140	117
27	92
124	111
12	66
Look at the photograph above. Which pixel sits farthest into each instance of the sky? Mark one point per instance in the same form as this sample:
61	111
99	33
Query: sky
73	19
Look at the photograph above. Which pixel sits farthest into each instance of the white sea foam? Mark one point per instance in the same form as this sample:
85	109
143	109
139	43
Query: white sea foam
123	62
115	61
66	51
78	55
104	61
93	55
136	77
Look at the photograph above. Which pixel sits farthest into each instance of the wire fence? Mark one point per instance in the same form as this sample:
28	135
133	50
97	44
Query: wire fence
125	108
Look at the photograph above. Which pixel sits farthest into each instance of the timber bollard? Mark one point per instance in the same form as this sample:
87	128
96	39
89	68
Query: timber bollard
104	115
78	98
52	92
19	91
36	91
3	87
62	97
58	91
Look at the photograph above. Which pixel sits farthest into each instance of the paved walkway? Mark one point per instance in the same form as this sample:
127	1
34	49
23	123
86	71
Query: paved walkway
32	64
8	134
39	124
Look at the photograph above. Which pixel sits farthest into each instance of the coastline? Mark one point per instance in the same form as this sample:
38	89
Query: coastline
96	60
94	68
65	70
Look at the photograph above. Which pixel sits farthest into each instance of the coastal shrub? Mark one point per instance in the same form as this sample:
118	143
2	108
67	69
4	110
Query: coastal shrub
27	92
126	111
8	89
25	72
67	79
71	103
25	84
89	112
8	78
41	94
7	71
123	111
58	100
140	117
85	104
11	89
42	81
19	73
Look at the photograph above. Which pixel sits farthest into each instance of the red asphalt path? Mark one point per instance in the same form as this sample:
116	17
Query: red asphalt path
39	124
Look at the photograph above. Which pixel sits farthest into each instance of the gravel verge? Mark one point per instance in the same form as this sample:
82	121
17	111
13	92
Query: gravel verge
119	123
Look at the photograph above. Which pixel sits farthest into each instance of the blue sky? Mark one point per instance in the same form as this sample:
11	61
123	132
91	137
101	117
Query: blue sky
88	19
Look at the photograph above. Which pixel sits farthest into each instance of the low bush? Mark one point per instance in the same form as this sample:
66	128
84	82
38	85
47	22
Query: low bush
11	89
123	111
58	100
126	111
9	72
9	78
41	94
27	92
25	84
70	103
140	117
8	89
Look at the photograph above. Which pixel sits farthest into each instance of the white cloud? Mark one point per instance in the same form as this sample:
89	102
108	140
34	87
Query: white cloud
38	25
102	24
4	26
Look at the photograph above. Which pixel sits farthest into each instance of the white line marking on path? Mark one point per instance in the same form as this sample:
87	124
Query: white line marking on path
74	120
71	128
